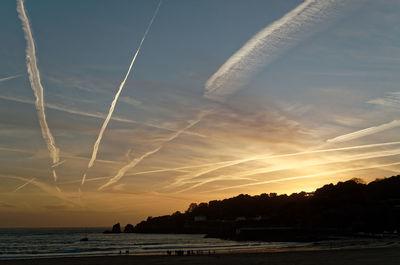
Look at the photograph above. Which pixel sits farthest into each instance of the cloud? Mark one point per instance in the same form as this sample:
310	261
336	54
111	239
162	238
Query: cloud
365	132
391	99
269	43
130	100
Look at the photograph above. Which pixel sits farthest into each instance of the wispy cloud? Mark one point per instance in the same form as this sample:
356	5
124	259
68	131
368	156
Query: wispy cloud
365	132
34	78
114	102
264	47
131	101
389	100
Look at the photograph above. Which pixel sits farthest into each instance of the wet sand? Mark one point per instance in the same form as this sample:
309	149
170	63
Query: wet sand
365	256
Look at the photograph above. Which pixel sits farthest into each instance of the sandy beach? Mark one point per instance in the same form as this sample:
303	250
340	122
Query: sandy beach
366	256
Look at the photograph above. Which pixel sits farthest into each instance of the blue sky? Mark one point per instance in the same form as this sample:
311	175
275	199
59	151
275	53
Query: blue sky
335	88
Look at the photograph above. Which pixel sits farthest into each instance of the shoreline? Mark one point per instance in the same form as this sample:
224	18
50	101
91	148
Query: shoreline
366	255
331	245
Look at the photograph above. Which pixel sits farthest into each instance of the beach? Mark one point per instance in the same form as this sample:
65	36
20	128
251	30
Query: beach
364	256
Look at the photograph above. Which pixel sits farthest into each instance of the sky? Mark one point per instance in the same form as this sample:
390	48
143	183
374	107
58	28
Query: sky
224	97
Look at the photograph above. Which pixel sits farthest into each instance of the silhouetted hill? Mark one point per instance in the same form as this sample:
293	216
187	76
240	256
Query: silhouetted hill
347	208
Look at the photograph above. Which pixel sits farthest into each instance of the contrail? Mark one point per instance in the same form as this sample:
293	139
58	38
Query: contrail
43	186
58	164
23	185
114	102
79	181
66	155
365	132
190	176
136	161
7	149
225	164
266	46
8	78
308	176
34	78
67	110
94	115
132	164
243	175
262	157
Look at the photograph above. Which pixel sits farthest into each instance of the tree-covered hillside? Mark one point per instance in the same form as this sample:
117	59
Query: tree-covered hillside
345	208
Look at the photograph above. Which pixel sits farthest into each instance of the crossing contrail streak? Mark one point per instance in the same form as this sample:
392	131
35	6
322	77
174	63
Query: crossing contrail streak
365	132
114	102
245	174
308	176
227	163
79	180
221	165
34	79
8	78
66	155
266	46
132	164
23	185
44	187
94	115
136	161
58	164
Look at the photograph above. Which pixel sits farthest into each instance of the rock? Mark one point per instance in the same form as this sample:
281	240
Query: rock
116	229
129	228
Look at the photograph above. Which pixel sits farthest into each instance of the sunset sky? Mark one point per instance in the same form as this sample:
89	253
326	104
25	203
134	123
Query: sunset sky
225	97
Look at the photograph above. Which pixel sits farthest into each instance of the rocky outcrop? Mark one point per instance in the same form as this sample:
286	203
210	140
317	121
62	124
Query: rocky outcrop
129	228
116	229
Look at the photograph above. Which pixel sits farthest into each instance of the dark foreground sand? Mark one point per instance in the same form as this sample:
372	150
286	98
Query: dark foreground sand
375	256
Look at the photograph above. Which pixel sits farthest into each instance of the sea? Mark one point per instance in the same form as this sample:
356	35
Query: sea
16	243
